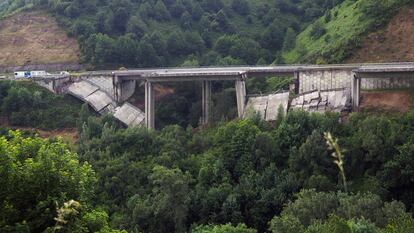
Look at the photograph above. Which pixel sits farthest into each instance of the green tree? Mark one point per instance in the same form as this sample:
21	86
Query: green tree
228	228
240	6
137	27
161	12
289	40
317	30
39	175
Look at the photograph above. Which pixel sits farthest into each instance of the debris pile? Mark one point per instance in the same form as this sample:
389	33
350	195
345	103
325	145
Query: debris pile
338	100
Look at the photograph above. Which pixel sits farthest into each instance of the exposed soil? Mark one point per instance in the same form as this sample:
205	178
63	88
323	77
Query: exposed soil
69	135
35	38
389	101
394	43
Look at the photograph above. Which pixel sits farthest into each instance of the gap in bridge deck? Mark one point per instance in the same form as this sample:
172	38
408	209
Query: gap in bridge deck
268	85
224	102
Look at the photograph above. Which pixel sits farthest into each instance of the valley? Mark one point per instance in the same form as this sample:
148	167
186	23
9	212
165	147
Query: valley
232	137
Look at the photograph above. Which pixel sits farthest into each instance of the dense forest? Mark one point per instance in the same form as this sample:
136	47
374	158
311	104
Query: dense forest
241	176
156	33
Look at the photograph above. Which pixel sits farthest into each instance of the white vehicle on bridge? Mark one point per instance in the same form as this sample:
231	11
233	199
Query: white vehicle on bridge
29	74
22	74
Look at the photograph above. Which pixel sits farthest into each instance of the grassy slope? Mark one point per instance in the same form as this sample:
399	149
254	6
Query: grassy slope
341	29
343	34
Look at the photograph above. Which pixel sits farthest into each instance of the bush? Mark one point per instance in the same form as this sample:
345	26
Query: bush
336	212
317	30
228	228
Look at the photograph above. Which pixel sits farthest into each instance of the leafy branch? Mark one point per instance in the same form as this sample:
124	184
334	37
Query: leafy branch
338	155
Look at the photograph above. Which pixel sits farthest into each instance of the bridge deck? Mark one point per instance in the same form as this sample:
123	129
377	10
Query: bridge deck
234	73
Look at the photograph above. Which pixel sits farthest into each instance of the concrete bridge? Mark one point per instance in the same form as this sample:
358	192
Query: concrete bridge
120	85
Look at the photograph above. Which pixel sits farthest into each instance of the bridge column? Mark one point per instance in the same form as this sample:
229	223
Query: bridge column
205	101
356	91
117	88
241	96
149	105
296	77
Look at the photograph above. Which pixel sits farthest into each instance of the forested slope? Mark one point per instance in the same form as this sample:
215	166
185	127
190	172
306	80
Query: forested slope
183	32
158	33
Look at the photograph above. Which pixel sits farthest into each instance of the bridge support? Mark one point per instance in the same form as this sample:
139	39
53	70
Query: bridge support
117	88
123	90
149	105
205	101
356	90
296	77
241	96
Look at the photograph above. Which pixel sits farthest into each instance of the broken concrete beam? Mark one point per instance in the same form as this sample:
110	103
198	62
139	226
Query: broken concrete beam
129	115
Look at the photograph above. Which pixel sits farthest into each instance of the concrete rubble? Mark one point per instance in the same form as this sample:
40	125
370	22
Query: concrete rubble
268	106
337	100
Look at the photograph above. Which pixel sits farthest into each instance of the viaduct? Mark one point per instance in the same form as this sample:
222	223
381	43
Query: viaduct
118	86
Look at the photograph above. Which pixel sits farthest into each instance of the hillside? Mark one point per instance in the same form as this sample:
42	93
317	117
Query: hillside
390	44
163	33
35	38
333	37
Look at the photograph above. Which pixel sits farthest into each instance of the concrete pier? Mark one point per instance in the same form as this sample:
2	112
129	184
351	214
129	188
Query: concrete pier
205	101
241	96
149	105
355	90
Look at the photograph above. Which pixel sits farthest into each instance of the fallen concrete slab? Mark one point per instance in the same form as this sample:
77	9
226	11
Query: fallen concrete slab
129	115
267	106
82	89
276	103
256	105
99	100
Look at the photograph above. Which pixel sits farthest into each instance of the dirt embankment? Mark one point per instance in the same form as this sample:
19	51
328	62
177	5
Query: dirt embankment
394	43
35	38
69	135
388	101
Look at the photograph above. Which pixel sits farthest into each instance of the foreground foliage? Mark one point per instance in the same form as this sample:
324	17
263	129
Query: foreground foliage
39	180
247	171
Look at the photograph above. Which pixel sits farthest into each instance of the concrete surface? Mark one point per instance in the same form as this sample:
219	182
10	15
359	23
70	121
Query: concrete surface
82	89
100	100
267	106
129	115
337	100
